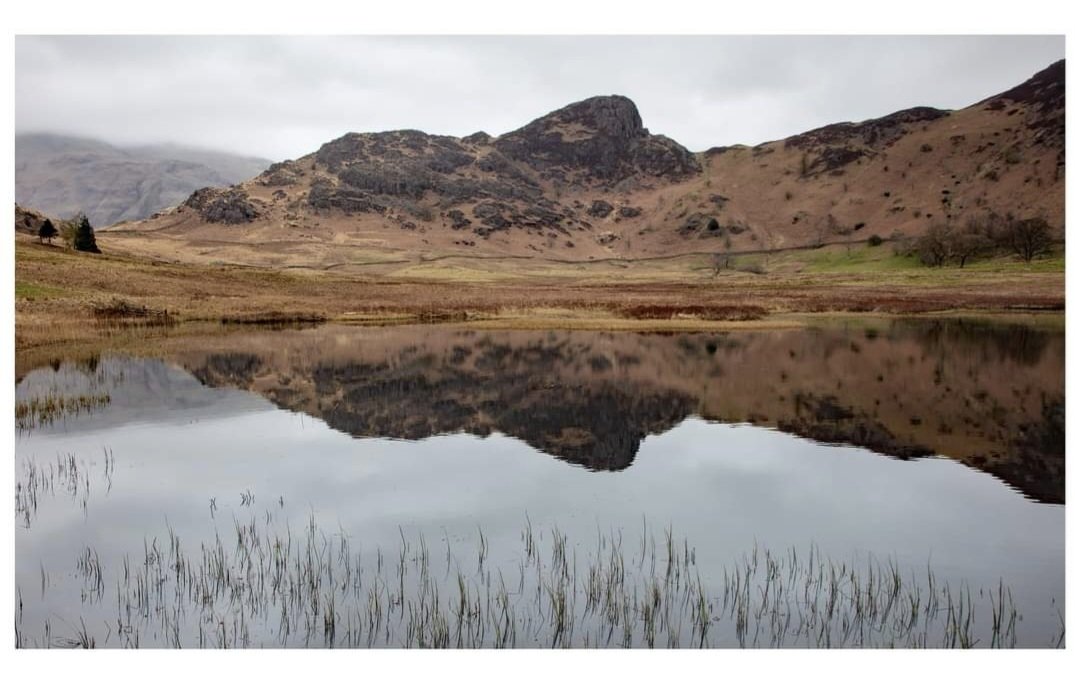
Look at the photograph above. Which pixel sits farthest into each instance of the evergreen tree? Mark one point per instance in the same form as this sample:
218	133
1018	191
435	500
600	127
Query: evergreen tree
47	231
84	238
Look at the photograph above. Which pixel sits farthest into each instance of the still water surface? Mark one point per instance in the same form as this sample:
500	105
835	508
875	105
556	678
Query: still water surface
932	449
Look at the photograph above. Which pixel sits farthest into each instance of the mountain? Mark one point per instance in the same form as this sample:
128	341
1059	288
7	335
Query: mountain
589	181
64	175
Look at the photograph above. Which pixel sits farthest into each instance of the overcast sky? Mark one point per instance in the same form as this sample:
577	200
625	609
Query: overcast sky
281	97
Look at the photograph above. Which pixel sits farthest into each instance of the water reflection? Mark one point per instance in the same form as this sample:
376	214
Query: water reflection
199	447
988	395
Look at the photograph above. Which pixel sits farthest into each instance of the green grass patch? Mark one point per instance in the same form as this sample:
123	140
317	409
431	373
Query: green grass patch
1049	264
36	291
857	259
862	259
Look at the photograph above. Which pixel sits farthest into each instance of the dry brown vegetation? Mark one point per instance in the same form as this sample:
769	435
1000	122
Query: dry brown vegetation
118	309
64	297
706	312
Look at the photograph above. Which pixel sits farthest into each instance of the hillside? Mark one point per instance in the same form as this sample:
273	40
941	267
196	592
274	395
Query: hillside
28	221
590	182
62	175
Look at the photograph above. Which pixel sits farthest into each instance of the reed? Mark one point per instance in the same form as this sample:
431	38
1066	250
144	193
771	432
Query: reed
39	411
67	476
261	584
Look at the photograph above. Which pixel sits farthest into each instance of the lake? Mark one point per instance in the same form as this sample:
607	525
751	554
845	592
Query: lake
866	482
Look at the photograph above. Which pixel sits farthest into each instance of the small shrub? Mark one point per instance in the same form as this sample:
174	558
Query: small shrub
874	241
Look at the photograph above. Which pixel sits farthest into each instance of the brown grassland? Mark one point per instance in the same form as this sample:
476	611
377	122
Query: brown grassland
70	299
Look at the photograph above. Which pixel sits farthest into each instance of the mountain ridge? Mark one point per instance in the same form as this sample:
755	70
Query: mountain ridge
65	174
589	181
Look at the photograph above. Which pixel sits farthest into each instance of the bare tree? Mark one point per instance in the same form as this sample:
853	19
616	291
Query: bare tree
1028	238
934	247
973	238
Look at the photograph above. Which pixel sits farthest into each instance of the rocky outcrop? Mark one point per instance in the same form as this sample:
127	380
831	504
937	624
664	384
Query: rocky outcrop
1043	97
1045	88
283	174
478	137
497	215
223	206
874	133
702	225
435	153
600	209
602	139
326	196
457	219
417	173
830	148
29	221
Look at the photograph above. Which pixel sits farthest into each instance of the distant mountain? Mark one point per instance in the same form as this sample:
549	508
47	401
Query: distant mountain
63	175
589	181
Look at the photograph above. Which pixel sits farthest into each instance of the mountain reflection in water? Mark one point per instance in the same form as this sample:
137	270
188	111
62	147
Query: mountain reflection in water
988	395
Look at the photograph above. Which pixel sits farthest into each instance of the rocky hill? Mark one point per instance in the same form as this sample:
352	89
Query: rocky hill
64	175
29	221
589	181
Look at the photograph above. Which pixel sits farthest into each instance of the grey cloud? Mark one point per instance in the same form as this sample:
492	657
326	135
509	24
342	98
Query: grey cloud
283	96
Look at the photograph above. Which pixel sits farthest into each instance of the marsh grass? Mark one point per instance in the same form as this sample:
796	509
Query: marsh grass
120	310
275	319
43	410
257	584
67	475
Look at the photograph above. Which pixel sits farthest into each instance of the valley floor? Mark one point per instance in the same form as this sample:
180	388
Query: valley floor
68	298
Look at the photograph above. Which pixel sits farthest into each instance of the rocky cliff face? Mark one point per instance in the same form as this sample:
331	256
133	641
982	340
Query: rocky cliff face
589	181
600	140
